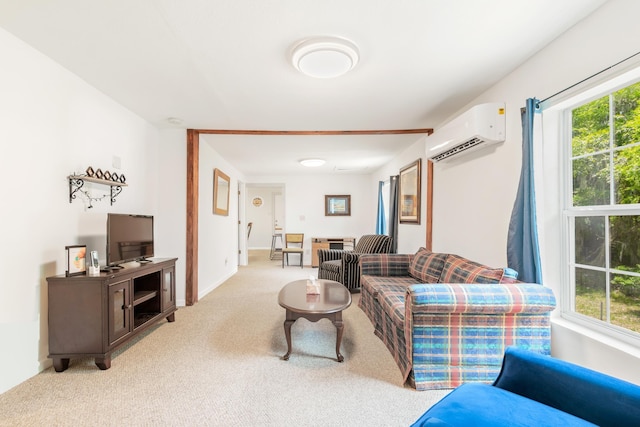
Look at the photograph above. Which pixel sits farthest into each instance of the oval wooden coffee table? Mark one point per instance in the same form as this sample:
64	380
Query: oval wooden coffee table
328	304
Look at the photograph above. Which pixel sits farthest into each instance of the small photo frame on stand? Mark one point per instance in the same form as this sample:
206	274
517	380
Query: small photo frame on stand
94	264
76	260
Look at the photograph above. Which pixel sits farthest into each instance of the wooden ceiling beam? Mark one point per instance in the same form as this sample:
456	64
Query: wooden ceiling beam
427	131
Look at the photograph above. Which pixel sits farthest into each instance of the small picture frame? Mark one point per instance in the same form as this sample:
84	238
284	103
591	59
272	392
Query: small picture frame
76	260
337	205
221	190
94	264
94	260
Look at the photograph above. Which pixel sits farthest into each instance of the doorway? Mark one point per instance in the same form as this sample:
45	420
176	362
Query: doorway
265	210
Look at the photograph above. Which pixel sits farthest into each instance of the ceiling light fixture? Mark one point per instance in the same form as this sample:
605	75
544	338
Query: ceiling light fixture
325	57
312	163
174	121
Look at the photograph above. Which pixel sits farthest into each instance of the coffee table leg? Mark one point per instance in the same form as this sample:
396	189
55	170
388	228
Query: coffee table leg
287	334
340	329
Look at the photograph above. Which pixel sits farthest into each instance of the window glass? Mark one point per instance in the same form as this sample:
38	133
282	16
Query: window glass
590	131
625	242
627	116
605	181
627	175
589	241
591	179
591	293
625	301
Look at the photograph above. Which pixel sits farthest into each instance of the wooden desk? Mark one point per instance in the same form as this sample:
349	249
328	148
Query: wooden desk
348	243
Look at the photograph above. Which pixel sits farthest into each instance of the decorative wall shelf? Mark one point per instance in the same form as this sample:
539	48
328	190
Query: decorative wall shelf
76	183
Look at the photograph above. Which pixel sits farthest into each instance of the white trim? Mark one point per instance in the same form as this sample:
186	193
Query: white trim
611	81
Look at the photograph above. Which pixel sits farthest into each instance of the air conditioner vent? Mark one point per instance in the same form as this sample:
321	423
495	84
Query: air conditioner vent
455	150
481	126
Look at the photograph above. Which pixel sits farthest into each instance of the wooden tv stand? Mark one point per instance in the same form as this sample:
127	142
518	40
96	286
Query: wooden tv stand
91	316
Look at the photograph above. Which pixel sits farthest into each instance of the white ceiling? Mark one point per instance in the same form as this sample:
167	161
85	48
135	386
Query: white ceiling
224	64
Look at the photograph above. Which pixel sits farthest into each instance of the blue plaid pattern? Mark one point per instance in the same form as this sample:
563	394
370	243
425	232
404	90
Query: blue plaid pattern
444	334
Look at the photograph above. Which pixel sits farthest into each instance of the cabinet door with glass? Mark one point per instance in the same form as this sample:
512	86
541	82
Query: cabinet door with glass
120	306
168	288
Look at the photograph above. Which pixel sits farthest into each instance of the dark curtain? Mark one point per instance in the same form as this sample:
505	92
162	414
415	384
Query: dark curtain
393	212
523	251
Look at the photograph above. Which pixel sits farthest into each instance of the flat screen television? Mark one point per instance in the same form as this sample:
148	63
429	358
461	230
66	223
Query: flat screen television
129	238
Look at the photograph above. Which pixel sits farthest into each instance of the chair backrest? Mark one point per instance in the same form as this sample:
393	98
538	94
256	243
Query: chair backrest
294	238
373	244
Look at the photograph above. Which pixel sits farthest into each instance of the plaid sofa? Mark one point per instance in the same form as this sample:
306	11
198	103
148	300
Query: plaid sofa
448	320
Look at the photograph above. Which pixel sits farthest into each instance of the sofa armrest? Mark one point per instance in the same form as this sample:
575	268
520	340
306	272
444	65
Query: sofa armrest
330	255
385	264
351	258
475	298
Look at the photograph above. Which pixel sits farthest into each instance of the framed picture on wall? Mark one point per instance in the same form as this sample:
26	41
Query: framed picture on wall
221	189
410	193
337	205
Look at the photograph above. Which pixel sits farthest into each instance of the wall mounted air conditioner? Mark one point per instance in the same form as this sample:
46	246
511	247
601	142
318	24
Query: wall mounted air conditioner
481	126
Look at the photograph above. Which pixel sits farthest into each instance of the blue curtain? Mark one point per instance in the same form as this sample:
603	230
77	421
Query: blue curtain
381	220
393	212
523	251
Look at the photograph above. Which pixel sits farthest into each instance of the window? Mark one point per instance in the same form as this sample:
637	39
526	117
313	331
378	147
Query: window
602	209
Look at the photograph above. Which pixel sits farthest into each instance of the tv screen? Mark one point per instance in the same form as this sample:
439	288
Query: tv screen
129	238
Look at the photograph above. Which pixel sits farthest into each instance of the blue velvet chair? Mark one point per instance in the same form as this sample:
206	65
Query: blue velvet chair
537	390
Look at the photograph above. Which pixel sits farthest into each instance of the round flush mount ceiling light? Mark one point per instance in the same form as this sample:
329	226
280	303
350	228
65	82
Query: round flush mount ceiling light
325	57
312	163
174	121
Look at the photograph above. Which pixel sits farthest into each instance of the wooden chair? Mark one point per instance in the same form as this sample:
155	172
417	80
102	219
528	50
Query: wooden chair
296	240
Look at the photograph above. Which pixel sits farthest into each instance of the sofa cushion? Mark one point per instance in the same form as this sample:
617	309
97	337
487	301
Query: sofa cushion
474	404
389	292
461	270
373	244
426	266
391	300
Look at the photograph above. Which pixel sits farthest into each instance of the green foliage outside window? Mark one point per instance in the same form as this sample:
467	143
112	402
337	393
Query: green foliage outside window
606	173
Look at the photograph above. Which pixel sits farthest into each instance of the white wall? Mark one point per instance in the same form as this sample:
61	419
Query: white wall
170	227
473	198
217	234
304	205
411	237
54	124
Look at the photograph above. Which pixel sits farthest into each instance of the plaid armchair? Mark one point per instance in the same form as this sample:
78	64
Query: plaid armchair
343	266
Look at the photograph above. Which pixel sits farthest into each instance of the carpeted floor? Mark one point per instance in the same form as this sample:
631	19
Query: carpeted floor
219	364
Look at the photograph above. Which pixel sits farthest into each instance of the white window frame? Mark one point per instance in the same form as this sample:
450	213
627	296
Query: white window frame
569	212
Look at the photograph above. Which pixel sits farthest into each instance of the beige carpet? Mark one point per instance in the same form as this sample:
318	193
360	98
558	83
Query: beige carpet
219	364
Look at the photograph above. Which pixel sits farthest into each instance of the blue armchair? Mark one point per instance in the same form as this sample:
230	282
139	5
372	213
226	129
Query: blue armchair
537	390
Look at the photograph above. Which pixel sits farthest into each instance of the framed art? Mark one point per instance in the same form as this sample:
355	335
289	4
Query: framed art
410	193
221	189
337	205
76	260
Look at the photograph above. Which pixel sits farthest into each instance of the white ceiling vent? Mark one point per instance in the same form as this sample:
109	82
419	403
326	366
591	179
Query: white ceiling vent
481	126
